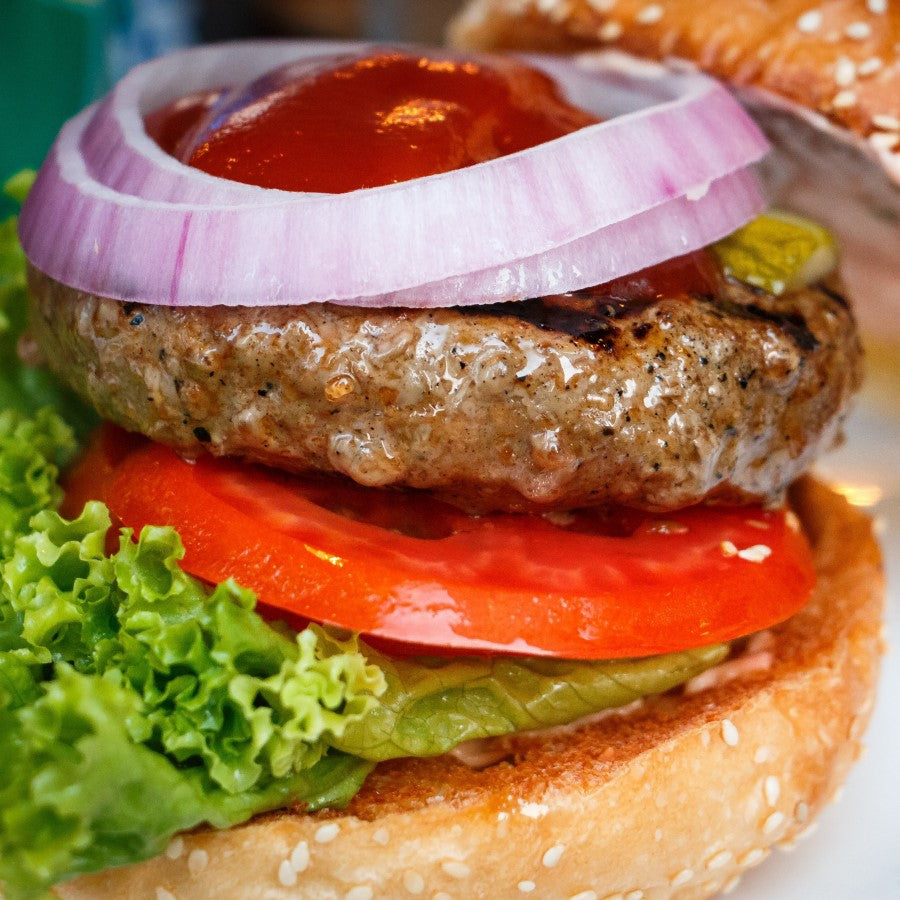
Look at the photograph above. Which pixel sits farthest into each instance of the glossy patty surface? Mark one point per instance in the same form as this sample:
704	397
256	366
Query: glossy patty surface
559	403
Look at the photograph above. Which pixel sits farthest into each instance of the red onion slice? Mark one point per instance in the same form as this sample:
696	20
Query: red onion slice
114	215
644	240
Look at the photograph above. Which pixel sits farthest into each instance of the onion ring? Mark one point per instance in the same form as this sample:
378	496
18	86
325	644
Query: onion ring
114	215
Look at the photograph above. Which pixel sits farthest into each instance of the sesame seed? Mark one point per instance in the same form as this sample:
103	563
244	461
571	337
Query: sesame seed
287	874
381	837
705	738
683	877
728	548
731	884
763	754
413	882
657	835
610	31
843	99
526	887
360	892
844	72
455	869
175	848
757	553
197	861
634	895
533	810
801	812
602	5
773	823
720	859
877	7
441	895
858	31
327	832
886	123
810	21
163	894
299	857
870	66
752	857
584	895
730	733
557	11
553	855
772	789
649	14
758	524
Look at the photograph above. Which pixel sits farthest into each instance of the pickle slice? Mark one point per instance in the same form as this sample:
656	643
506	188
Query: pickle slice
778	252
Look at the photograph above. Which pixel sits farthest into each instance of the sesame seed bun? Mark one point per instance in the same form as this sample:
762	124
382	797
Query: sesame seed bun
672	798
823	80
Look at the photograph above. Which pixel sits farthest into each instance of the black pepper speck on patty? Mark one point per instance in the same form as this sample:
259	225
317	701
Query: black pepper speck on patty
559	403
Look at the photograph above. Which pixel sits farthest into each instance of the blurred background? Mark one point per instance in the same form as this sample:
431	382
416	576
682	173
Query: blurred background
56	56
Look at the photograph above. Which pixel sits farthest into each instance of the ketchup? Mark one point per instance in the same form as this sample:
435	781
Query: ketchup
370	121
694	273
169	125
362	122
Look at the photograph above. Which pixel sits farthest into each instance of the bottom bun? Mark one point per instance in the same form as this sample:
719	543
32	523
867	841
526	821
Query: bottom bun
674	797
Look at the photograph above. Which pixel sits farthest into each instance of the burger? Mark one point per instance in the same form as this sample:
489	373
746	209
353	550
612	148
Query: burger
451	535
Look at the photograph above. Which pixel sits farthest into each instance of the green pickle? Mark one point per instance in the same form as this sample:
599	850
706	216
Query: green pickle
778	252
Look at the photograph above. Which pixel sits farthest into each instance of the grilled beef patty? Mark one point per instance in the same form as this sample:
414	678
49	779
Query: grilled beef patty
557	403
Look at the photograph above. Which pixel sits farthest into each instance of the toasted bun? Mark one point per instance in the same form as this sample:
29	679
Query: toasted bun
674	798
822	79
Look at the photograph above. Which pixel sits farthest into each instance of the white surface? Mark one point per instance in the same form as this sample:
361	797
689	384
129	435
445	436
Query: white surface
855	850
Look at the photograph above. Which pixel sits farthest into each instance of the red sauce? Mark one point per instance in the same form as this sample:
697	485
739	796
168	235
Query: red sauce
694	273
375	120
169	126
386	118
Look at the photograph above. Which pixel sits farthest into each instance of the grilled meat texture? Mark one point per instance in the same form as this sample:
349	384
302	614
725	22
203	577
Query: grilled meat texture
565	402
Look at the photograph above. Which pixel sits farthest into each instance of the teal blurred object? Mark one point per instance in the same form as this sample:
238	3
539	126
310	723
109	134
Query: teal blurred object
52	63
56	56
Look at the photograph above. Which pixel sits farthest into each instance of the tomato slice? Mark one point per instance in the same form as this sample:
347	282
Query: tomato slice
405	567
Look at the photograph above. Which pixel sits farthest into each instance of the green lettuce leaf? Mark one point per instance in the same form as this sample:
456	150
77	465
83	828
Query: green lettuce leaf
32	450
135	702
430	706
79	792
27	389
